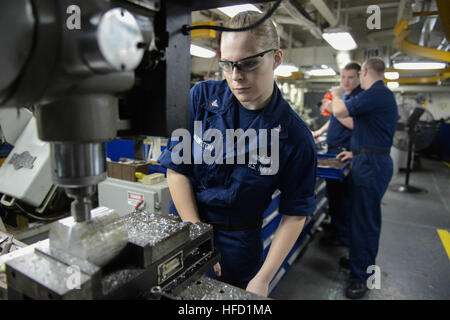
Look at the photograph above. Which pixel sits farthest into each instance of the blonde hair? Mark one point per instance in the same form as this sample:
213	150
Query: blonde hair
266	33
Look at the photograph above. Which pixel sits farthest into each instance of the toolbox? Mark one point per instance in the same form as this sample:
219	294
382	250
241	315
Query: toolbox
328	167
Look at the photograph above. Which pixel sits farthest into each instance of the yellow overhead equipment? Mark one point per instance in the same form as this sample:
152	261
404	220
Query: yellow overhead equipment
203	33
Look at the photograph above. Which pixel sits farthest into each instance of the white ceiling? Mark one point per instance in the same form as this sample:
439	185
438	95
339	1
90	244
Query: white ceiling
303	47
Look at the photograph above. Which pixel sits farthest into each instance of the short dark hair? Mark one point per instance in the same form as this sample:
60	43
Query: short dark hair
376	64
353	66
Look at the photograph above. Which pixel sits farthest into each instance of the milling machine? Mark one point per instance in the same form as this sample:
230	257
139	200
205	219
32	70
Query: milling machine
92	70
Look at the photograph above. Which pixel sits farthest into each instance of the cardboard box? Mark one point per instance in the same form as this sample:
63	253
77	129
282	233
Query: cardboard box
125	169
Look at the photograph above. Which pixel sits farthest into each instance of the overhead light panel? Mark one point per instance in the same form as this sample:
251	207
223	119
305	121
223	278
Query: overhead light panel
391	75
341	41
285	70
283	74
202	52
231	11
393	85
321	72
342	58
419	65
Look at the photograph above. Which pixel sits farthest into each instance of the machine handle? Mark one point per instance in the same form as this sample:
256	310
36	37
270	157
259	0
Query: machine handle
4	201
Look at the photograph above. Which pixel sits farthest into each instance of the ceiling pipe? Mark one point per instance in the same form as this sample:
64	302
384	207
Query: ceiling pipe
401	31
428	24
383	6
300	19
325	12
285	36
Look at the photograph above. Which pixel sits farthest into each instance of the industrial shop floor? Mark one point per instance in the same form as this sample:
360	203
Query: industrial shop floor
412	257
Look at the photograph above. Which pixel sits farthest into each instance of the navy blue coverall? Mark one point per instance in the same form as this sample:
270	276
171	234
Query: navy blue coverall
339	198
375	115
233	197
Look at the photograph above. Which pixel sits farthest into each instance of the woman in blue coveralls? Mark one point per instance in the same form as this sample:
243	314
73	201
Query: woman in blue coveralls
233	197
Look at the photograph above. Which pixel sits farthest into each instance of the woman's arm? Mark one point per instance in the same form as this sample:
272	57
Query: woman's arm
285	236
183	196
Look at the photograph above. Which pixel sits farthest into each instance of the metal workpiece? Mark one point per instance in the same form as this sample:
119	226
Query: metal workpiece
97	241
210	289
152	235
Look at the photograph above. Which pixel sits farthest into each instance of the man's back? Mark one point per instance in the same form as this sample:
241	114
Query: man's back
375	116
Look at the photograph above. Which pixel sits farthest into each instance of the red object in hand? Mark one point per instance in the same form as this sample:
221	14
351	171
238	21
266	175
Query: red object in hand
328	96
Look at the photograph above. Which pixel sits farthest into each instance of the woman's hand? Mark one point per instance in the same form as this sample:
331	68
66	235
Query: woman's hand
258	286
217	270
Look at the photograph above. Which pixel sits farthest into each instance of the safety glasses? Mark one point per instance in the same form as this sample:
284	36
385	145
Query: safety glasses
245	64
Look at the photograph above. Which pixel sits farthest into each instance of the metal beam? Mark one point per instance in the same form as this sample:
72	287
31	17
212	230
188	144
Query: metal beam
325	12
299	19
359	9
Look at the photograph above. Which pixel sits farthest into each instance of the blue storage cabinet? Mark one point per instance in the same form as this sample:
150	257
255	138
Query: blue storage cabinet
332	173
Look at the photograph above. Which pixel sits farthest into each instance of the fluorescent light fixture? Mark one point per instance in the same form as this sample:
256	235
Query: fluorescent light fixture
202	52
419	65
324	66
285	70
231	11
283	74
340	40
321	72
342	58
391	75
393	85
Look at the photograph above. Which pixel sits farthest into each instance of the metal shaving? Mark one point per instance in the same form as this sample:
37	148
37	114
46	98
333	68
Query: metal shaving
198	229
118	278
209	289
149	228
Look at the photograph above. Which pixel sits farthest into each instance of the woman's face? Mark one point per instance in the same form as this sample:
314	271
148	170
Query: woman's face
252	88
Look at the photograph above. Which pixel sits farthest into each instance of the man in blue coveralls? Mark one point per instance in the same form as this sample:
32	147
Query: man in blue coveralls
375	115
339	131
